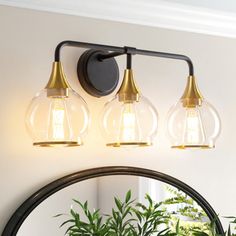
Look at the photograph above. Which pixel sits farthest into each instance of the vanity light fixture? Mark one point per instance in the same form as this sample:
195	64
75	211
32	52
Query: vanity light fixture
59	116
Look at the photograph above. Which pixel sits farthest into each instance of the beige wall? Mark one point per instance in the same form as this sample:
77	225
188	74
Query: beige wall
27	42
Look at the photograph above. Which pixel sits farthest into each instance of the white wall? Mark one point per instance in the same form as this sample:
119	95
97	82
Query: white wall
27	43
115	186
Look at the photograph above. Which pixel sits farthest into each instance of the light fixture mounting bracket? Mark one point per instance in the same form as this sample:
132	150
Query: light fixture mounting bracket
98	77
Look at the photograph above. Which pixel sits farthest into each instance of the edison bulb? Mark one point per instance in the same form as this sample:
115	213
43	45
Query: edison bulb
57	120
193	127
129	127
129	123
59	123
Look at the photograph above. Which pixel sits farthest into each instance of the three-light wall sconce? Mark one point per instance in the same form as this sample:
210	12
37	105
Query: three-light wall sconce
58	116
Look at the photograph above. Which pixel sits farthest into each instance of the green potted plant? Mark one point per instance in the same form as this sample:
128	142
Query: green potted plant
132	218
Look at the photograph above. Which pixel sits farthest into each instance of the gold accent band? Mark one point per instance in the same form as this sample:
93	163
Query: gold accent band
128	91
192	96
58	143
58	93
57	85
193	146
137	144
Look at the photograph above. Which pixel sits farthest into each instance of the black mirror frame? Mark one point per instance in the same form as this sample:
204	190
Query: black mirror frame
33	201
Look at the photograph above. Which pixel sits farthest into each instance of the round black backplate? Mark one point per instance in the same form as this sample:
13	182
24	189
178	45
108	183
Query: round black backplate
97	77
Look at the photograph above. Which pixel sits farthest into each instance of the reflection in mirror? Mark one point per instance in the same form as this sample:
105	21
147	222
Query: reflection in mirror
100	192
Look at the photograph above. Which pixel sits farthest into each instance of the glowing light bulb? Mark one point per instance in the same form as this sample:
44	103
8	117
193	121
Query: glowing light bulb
129	128
59	125
193	131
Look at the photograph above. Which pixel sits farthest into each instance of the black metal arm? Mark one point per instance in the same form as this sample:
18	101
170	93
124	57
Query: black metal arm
117	51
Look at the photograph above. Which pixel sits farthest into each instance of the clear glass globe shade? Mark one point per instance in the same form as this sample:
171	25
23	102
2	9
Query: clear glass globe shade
129	123
193	127
57	120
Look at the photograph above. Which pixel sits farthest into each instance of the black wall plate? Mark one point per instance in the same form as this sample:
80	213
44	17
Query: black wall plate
97	77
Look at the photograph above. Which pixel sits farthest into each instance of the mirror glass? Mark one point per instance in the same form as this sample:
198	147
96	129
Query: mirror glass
99	193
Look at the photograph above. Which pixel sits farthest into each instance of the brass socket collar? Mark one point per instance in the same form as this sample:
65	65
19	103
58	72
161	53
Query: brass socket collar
192	96
57	84
128	91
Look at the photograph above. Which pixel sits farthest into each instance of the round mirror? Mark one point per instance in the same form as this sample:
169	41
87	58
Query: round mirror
105	189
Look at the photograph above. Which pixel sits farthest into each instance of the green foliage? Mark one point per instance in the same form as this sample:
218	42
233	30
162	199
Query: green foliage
231	223
187	214
189	208
93	225
120	221
150	218
127	218
131	218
